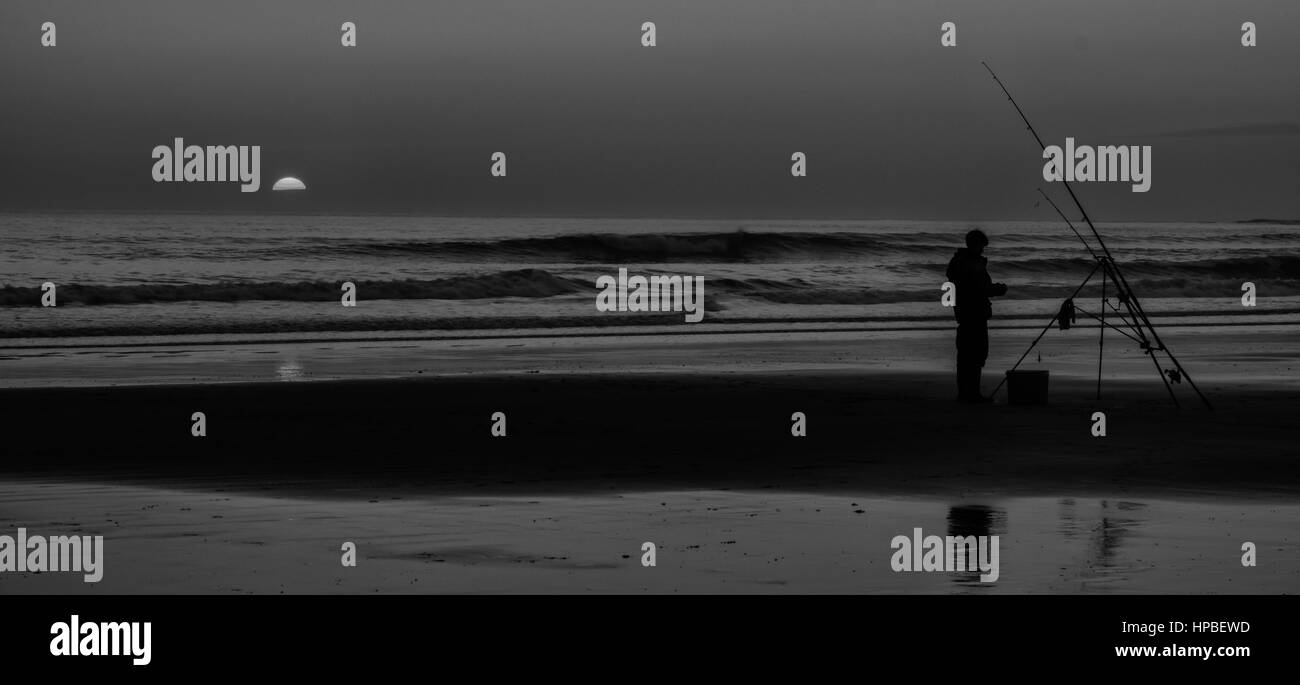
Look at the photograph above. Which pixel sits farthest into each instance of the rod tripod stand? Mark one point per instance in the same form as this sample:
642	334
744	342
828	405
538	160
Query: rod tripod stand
1135	324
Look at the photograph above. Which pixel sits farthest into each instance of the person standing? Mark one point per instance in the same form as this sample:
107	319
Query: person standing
968	271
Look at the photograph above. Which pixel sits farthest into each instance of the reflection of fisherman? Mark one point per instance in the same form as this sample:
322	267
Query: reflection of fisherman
968	270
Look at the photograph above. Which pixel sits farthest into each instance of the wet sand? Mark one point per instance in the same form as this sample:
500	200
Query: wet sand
1227	357
179	541
704	464
888	433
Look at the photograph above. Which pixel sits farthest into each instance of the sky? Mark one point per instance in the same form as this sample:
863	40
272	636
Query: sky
701	125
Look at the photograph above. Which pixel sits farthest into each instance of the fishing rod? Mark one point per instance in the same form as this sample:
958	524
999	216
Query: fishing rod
1126	295
1105	303
1070	224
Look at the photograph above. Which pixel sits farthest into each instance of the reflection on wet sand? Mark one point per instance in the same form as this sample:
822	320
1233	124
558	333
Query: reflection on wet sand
976	520
220	540
1103	531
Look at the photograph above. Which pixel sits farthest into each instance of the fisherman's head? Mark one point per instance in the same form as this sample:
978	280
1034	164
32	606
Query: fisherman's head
976	241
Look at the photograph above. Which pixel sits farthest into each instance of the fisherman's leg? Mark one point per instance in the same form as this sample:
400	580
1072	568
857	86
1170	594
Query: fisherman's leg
979	354
967	361
972	351
962	361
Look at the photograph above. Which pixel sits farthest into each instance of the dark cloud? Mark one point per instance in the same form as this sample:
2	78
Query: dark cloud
1276	129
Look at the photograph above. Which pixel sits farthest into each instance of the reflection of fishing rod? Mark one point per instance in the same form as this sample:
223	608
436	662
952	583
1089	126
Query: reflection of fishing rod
1141	322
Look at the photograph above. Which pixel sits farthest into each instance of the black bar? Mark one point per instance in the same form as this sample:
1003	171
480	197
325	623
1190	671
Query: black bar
438	637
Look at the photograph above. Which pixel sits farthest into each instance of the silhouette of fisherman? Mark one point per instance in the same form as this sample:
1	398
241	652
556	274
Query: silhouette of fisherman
968	270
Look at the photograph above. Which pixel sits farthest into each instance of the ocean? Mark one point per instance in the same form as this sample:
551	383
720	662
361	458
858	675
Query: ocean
146	276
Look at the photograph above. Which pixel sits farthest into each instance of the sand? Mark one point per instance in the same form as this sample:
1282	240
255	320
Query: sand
599	459
162	540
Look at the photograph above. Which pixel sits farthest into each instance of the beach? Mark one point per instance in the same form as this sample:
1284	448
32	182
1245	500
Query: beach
475	423
610	444
312	312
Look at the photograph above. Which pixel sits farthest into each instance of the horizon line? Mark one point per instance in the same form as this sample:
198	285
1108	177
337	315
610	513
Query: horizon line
666	217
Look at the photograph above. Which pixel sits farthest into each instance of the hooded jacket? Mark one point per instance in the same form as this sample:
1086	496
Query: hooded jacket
969	272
